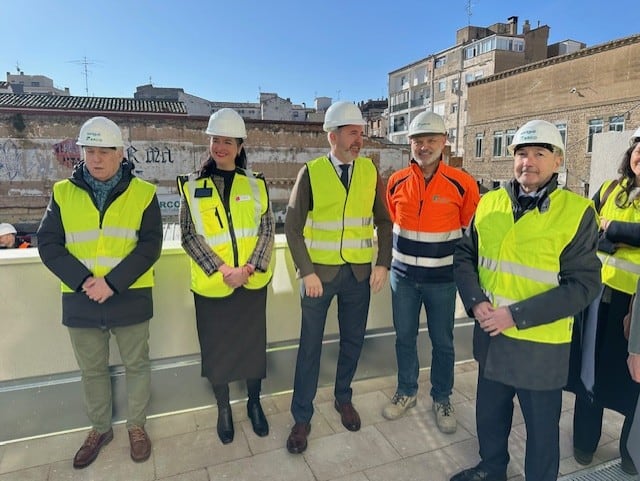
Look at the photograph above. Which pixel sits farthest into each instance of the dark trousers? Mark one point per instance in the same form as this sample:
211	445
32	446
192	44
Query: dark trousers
587	427
541	411
353	307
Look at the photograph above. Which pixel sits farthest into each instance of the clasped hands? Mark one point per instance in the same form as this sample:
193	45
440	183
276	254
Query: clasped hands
97	289
492	320
235	277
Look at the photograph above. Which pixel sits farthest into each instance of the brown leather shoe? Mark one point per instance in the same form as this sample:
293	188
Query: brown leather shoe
297	440
90	449
140	444
348	415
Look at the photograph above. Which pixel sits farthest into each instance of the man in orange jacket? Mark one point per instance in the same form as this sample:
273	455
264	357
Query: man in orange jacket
430	203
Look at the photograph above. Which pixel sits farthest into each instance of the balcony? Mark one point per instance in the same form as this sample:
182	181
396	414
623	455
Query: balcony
43	421
399	107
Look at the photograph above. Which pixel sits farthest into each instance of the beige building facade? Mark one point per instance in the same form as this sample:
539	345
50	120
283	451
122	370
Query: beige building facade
584	93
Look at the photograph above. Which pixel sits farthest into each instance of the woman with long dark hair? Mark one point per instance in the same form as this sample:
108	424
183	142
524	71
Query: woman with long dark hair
228	232
601	379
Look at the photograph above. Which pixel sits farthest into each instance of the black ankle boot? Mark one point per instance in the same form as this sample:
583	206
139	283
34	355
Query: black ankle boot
225	424
257	417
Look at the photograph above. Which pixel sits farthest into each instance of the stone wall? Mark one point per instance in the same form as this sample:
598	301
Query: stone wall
37	149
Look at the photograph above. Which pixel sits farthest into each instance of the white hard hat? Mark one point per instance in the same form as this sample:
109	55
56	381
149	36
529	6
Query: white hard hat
6	228
100	132
635	137
226	123
427	123
537	132
342	113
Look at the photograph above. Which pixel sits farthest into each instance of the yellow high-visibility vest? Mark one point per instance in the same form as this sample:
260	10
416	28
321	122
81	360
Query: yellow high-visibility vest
339	229
621	269
101	246
234	243
518	260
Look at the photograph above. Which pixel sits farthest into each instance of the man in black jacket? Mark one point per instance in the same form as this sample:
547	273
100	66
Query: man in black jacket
101	235
524	267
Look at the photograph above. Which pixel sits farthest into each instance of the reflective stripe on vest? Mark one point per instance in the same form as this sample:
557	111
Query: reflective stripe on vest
101	248
621	269
427	238
339	229
248	201
518	260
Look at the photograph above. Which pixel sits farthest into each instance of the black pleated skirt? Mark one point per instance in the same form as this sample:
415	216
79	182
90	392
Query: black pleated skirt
233	335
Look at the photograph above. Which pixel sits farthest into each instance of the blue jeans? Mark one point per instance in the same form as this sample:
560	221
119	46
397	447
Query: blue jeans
439	301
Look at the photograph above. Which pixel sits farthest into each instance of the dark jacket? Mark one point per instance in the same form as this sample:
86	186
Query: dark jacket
126	306
525	364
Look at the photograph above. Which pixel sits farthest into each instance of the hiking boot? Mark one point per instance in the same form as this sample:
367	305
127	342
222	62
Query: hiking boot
445	417
398	406
90	449
140	444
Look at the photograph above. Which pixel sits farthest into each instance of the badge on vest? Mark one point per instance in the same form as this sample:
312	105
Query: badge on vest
242	198
203	192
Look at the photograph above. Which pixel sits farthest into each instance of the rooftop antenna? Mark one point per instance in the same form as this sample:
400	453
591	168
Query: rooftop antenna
18	66
85	62
469	9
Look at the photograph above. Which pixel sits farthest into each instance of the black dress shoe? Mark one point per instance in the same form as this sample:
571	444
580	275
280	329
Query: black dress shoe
258	420
478	474
225	425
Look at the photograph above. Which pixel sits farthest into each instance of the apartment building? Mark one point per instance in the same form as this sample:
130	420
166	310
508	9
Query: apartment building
439	81
584	93
31	84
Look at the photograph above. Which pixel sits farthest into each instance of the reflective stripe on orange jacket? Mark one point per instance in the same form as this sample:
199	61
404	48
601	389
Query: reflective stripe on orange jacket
428	219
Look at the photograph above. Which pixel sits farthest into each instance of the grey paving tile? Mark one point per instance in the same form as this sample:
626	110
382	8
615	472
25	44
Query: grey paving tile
347	453
40	473
466	383
197	475
206	417
418	433
466	416
437	464
464	454
200	449
172	425
112	463
36	452
276	465
352	477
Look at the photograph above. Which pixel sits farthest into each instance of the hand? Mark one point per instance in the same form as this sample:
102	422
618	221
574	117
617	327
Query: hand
236	277
604	224
493	320
626	325
97	289
633	361
312	285
378	278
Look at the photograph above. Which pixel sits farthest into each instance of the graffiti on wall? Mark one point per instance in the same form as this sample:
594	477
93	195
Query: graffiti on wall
151	154
9	159
67	153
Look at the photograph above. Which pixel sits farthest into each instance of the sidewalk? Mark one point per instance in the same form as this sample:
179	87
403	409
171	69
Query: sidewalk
186	447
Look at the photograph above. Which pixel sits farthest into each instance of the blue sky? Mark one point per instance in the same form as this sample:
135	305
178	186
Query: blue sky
232	50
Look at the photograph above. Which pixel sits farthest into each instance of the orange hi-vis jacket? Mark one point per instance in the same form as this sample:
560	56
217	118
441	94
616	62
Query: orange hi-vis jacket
428	219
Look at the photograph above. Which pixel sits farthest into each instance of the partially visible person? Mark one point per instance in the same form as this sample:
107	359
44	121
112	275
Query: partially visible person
430	205
101	235
8	238
633	361
335	204
603	379
228	232
524	267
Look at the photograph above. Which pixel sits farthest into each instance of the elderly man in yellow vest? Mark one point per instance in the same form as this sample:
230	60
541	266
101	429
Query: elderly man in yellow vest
101	235
525	266
335	203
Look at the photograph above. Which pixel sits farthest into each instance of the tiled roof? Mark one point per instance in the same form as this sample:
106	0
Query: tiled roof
93	104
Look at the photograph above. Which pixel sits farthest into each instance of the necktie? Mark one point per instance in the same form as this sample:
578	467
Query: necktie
344	176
